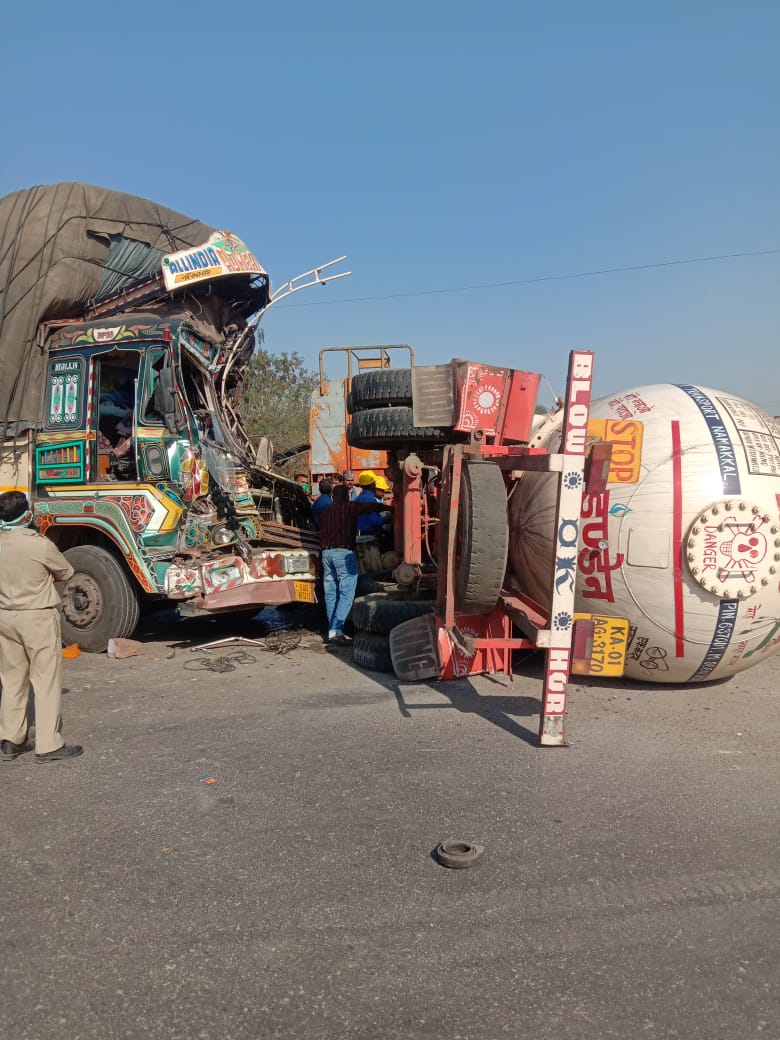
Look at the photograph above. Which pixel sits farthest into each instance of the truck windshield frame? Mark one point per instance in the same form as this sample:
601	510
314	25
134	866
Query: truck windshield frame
203	400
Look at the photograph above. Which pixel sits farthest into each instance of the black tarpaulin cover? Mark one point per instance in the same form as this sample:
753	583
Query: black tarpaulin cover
62	246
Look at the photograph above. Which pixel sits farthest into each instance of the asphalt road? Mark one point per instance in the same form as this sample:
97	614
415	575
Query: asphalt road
628	888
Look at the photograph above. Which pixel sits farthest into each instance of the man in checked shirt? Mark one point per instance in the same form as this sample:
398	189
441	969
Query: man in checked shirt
338	530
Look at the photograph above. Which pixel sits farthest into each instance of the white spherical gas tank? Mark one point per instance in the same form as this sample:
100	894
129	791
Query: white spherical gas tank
685	541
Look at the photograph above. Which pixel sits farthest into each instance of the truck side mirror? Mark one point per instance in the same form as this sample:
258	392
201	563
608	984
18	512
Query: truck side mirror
164	398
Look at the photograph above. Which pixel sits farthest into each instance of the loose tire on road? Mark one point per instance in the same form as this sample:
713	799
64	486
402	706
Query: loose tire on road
380	613
389	386
482	538
372	651
99	602
392	428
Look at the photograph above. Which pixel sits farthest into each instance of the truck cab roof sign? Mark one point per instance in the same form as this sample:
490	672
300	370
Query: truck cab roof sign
223	254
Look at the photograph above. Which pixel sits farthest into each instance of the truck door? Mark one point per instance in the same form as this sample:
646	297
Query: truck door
161	429
114	405
137	414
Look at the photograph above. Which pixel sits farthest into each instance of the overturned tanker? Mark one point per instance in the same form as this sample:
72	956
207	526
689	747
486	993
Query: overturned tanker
684	540
634	535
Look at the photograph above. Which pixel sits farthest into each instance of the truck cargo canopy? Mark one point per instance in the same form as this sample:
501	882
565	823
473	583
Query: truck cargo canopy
63	247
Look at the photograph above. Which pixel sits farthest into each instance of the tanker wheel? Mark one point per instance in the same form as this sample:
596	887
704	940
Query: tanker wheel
393	428
380	612
99	602
372	651
389	386
482	538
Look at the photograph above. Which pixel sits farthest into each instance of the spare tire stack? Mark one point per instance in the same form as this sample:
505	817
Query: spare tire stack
380	403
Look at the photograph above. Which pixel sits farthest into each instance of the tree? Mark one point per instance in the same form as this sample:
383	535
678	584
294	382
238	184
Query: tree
276	397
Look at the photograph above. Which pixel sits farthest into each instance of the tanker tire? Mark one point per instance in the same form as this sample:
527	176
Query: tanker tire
372	652
380	612
393	428
99	602
482	538
390	386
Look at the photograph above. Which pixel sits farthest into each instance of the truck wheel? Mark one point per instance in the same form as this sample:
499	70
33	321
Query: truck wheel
392	428
381	613
482	538
374	389
98	602
372	652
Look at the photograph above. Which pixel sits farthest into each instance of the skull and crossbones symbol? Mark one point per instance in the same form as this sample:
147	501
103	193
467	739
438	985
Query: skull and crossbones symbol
746	548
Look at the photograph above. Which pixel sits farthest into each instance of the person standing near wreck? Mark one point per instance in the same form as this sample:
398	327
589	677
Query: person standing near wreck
30	642
323	501
338	531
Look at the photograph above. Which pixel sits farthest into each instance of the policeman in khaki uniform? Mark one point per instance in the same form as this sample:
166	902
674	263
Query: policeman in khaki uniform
30	642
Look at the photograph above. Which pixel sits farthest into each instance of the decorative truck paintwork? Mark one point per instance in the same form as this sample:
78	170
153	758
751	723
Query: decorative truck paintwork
151	518
187	511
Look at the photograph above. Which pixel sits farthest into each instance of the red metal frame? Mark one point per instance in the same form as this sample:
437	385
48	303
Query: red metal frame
412	514
485	644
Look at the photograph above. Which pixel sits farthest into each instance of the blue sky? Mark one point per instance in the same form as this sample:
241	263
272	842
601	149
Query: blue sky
444	145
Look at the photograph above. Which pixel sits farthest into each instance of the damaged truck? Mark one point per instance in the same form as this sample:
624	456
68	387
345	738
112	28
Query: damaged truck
124	332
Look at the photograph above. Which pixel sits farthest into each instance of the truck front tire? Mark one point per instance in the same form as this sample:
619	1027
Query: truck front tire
99	602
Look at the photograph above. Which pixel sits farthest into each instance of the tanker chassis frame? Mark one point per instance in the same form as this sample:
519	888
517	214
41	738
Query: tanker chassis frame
451	644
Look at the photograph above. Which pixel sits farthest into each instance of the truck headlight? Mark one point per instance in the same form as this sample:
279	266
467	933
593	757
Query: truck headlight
297	564
222	535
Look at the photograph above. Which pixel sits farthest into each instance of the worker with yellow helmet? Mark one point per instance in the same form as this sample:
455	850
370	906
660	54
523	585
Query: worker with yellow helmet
369	524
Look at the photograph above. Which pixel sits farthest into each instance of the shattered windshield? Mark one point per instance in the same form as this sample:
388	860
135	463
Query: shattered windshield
220	431
211	417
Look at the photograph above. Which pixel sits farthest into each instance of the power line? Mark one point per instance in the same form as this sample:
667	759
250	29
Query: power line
541	278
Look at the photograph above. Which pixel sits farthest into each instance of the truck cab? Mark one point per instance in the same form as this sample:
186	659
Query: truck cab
141	472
